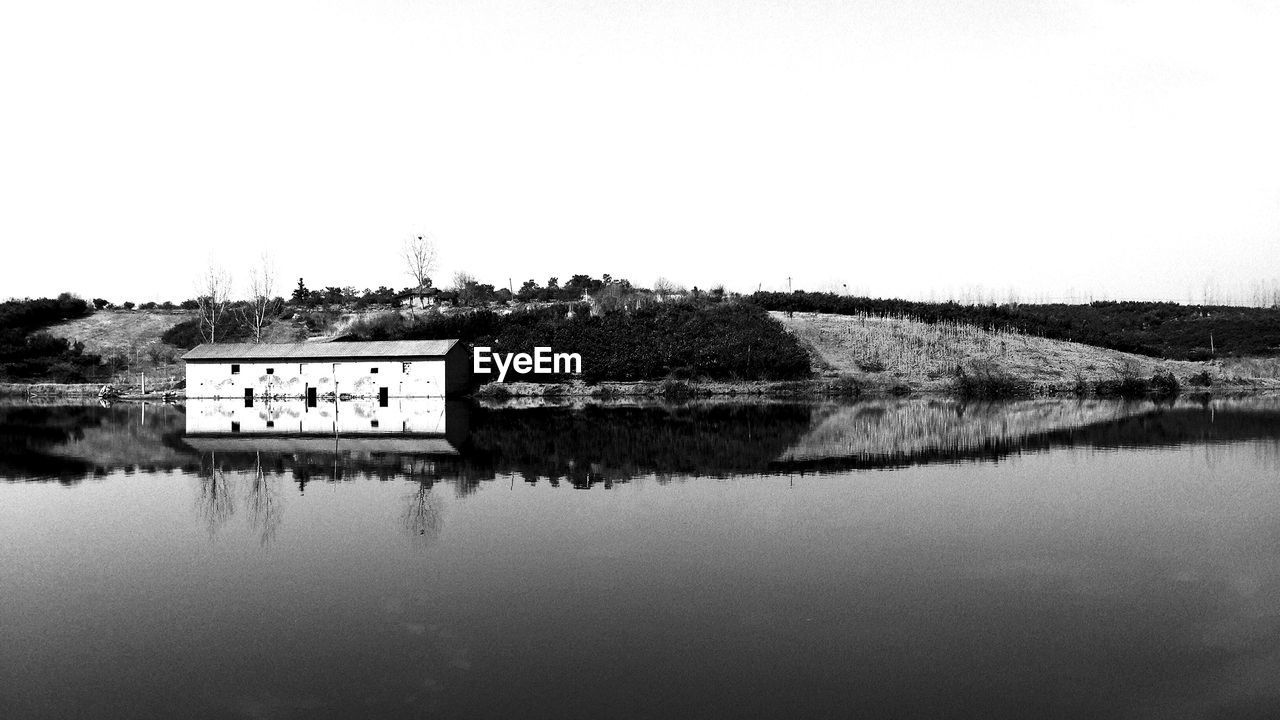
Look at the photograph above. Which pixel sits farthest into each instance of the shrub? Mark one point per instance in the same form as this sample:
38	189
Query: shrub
845	386
673	389
161	354
725	341
1200	379
984	379
1124	387
186	334
1164	385
127	305
26	353
99	303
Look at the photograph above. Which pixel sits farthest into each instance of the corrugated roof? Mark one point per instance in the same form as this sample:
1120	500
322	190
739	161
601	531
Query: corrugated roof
317	350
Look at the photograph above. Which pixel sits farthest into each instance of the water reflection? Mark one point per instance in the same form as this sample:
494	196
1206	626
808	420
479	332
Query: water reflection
431	440
215	502
1130	572
265	502
422	516
297	418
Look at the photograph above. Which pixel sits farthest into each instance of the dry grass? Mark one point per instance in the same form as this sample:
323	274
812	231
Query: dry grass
927	355
108	331
1268	368
135	336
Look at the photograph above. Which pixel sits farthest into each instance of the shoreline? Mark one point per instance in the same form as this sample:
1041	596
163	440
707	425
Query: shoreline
815	389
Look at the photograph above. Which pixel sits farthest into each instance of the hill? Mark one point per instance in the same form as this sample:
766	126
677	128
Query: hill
885	351
110	331
1156	329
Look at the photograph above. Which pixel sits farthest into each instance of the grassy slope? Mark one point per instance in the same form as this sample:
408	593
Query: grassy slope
108	331
919	355
924	356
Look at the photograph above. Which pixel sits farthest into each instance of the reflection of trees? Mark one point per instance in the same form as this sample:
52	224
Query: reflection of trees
265	503
215	502
422	516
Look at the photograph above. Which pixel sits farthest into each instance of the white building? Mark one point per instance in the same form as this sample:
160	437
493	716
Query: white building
406	368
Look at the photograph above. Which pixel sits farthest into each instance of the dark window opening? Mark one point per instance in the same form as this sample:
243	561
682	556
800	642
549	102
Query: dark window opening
235	426
271	423
271	371
373	423
235	369
383	395
311	397
373	371
248	397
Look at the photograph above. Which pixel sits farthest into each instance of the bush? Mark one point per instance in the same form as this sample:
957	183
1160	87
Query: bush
844	386
127	305
984	379
1124	387
187	335
99	303
1164	385
1201	379
28	354
725	341
161	354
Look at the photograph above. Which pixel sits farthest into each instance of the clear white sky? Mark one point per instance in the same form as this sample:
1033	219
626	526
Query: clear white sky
1128	148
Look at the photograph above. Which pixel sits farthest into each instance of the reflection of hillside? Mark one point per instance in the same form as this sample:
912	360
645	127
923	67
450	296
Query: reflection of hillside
584	447
70	442
908	432
608	444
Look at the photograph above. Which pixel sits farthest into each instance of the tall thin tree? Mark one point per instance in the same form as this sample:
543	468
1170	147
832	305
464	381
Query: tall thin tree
262	305
213	299
419	254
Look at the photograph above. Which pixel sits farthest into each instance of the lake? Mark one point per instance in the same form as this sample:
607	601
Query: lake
906	558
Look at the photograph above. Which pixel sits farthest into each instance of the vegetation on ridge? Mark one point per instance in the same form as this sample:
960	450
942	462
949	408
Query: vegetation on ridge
1155	329
715	341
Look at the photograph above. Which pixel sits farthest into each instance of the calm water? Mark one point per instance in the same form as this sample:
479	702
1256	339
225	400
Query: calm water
899	559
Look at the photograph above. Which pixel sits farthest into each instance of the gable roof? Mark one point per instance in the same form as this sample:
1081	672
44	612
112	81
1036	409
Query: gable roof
320	350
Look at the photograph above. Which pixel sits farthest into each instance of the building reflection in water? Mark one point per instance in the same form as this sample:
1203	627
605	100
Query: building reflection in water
260	442
290	418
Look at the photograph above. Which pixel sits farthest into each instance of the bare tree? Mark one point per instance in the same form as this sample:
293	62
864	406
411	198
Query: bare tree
1211	292
262	305
213	296
664	288
420	259
464	284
